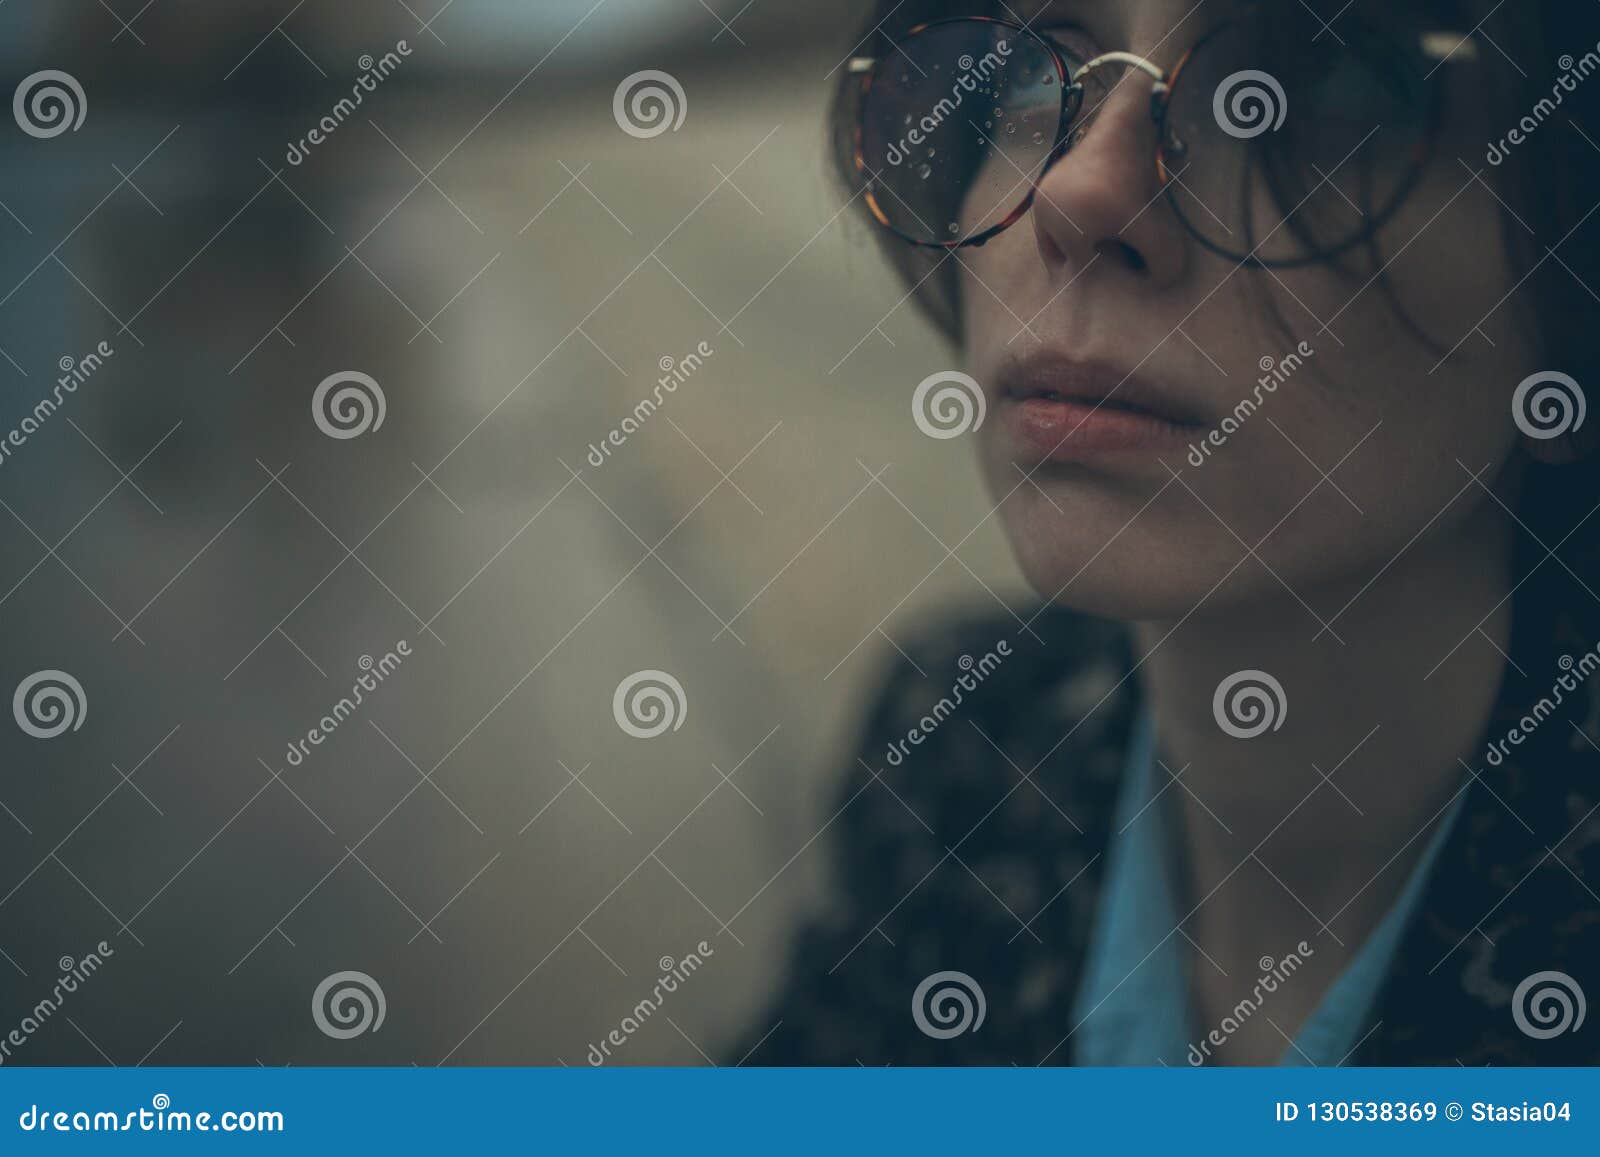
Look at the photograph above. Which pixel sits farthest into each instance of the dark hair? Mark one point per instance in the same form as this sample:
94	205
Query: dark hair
1550	187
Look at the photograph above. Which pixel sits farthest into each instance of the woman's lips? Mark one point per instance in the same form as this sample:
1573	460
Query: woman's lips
1068	430
1063	410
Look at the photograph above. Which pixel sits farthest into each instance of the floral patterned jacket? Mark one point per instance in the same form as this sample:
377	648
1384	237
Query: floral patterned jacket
944	854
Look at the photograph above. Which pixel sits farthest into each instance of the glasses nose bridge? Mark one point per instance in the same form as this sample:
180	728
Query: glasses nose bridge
1160	83
1131	59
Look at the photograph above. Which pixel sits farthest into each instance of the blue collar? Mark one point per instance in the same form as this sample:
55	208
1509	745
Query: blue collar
1133	1005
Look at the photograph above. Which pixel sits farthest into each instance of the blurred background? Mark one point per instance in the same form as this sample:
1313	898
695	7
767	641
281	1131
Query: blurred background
484	239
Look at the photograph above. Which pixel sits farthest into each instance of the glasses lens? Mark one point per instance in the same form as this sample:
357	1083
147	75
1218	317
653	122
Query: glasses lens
956	126
1293	153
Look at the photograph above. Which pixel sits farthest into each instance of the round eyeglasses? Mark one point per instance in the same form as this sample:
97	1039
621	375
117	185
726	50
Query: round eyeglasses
1273	162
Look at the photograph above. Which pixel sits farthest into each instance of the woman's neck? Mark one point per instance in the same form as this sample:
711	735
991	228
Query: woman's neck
1324	816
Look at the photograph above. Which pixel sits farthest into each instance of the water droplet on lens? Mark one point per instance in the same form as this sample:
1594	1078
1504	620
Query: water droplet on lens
955	228
1011	130
1038	138
925	172
1047	79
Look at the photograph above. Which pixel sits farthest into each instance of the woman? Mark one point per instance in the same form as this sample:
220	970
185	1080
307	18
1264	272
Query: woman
1277	332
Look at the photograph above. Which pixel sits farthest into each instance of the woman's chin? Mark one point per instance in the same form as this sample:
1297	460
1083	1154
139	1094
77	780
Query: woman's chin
1060	576
1097	558
1137	578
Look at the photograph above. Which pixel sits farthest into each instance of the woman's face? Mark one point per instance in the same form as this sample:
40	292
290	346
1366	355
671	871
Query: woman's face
1359	441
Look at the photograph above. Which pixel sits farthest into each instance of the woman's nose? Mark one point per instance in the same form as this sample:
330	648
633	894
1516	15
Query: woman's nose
1098	201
